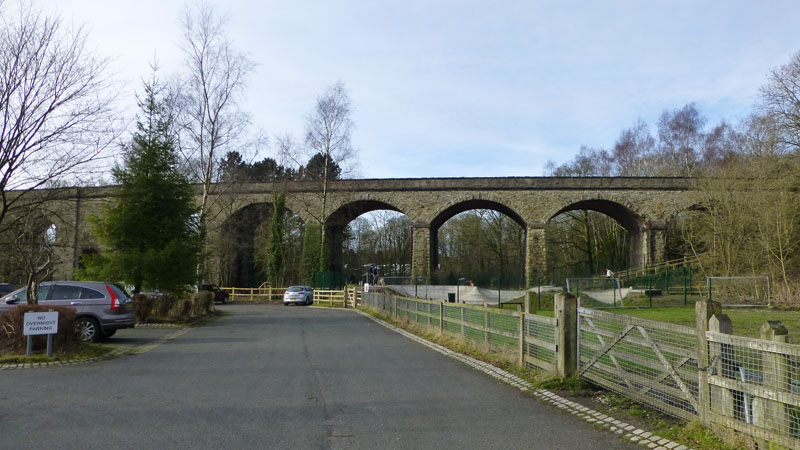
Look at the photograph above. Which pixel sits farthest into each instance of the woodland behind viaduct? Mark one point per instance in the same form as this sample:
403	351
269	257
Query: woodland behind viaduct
643	206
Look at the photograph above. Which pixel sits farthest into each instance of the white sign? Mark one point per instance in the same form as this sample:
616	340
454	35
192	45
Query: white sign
40	323
366	287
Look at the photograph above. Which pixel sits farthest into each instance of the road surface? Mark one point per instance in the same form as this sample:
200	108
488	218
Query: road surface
268	376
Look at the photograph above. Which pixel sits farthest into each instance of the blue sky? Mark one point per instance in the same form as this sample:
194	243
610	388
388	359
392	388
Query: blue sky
471	88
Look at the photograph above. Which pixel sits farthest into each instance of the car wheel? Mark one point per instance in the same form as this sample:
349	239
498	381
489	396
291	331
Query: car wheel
309	301
108	333
225	300
88	328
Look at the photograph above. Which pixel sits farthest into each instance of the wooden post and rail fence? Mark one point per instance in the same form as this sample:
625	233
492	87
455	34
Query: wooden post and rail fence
703	372
345	298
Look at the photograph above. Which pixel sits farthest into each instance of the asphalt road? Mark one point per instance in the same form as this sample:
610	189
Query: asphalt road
280	377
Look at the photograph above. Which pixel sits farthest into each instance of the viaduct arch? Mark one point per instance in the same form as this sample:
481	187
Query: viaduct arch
642	205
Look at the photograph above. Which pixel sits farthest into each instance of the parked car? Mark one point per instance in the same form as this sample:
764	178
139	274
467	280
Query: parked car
220	295
5	288
298	295
102	308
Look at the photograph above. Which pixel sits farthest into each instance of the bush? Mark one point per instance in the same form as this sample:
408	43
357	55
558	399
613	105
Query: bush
165	305
202	303
171	308
143	306
11	326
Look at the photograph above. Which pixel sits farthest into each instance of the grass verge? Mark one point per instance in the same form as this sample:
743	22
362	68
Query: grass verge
85	350
746	322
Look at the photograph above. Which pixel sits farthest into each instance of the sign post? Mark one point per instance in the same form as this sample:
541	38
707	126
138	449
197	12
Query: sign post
35	323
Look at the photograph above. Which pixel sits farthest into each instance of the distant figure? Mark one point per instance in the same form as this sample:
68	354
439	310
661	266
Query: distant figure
609	273
372	274
470	284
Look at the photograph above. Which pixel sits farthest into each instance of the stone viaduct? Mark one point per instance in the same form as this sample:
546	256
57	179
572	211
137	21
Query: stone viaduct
643	206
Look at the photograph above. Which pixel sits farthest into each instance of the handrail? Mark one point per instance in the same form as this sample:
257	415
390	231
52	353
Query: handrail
653	268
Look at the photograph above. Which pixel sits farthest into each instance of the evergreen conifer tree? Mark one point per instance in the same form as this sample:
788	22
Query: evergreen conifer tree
150	232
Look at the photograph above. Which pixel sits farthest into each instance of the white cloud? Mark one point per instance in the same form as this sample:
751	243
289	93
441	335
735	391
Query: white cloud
457	88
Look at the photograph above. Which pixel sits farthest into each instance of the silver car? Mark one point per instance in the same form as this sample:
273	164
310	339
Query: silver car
298	295
102	308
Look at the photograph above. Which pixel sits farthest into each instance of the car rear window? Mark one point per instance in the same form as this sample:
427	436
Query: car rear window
90	293
62	292
295	289
119	291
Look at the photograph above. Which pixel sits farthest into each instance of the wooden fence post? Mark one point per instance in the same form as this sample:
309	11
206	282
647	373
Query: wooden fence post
766	413
722	399
566	313
703	310
521	335
441	318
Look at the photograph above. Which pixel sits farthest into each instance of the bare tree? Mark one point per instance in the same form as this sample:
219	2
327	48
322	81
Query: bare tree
209	116
681	137
632	150
589	162
781	100
328	130
30	247
55	105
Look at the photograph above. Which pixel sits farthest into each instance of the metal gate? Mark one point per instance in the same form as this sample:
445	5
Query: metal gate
654	363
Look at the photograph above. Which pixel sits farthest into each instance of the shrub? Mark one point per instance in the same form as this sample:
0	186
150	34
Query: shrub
202	302
171	307
143	306
12	338
165	304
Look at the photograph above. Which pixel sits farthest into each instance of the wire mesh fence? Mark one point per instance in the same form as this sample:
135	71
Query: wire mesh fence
755	387
652	362
597	292
495	329
540	342
750	385
662	285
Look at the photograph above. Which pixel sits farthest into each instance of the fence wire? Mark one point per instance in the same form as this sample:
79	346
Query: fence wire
540	342
751	385
755	387
654	363
498	330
